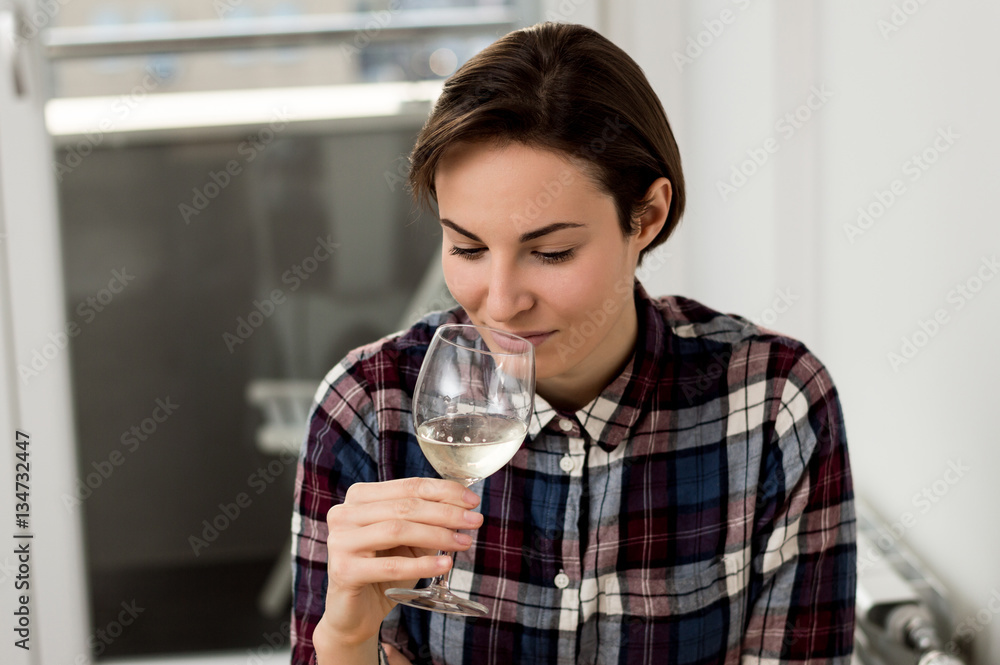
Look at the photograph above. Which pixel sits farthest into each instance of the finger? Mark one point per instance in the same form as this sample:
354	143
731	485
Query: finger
409	509
398	533
358	572
429	489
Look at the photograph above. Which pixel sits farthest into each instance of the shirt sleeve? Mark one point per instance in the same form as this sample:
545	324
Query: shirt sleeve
804	549
341	448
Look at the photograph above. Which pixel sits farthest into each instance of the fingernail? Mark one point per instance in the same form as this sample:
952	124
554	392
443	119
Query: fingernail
473	518
470	497
443	561
463	539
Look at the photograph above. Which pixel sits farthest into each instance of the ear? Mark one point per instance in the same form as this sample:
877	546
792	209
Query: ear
660	194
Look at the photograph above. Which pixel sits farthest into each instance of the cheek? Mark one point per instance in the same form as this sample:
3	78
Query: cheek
587	289
459	276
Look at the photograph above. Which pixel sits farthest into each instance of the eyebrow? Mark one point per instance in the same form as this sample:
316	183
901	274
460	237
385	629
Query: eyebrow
525	237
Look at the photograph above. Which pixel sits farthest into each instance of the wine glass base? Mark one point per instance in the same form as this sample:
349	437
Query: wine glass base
437	601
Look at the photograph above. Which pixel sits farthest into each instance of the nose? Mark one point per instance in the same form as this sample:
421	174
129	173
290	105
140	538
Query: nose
508	294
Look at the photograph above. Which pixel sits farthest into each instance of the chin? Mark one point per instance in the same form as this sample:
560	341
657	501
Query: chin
551	367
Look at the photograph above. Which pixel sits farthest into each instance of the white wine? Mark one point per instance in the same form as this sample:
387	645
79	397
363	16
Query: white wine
470	446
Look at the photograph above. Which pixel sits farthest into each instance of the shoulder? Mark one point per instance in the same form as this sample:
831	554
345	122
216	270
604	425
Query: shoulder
708	342
695	327
696	324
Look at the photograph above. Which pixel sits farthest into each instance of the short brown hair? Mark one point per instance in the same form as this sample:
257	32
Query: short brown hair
561	87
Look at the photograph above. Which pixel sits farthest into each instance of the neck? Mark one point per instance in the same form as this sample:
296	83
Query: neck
575	389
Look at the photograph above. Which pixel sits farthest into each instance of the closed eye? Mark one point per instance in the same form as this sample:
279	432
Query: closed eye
473	253
467	253
556	257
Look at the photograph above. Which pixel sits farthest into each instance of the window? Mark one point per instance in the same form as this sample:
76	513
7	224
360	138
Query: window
233	222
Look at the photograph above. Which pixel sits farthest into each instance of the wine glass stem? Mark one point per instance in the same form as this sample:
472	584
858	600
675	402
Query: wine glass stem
440	583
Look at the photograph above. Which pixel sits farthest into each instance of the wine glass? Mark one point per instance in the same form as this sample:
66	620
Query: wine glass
471	406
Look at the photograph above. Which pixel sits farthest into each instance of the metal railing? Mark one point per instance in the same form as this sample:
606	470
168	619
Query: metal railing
270	32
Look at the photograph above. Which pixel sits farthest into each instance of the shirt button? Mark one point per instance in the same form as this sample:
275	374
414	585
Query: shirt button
565	424
566	463
562	580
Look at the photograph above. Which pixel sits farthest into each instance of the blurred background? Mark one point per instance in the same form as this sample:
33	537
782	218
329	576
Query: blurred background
203	210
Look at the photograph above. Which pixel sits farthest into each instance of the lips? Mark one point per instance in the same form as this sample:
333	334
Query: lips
534	336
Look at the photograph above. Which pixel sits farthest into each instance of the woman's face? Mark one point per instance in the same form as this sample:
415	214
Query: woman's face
531	246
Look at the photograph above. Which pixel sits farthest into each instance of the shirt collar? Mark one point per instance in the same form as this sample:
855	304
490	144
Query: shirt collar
610	416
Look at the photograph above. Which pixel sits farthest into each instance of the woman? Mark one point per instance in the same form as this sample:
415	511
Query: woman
684	492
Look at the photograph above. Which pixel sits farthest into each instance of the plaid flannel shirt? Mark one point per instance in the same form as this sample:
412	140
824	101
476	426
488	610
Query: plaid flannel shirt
700	510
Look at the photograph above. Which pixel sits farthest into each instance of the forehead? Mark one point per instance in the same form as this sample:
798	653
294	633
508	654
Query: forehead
481	180
513	159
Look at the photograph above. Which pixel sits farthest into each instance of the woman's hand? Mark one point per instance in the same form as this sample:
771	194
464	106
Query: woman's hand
387	535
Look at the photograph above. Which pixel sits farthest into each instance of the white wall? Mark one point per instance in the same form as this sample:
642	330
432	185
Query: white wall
910	422
52	582
854	301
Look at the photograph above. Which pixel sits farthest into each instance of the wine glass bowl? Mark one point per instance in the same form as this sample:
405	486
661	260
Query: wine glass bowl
471	406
